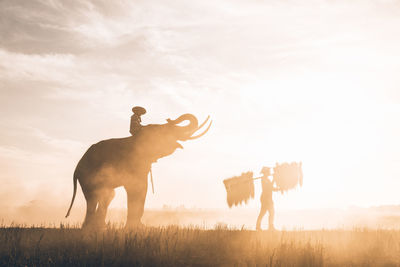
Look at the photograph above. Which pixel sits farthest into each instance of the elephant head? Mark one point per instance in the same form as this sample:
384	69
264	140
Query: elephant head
159	140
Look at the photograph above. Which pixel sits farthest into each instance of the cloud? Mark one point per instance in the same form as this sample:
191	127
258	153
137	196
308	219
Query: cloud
37	27
36	67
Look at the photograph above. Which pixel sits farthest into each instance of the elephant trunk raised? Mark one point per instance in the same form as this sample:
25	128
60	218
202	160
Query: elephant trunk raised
188	130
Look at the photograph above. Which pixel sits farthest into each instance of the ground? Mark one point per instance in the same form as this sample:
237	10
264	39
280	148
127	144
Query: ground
175	246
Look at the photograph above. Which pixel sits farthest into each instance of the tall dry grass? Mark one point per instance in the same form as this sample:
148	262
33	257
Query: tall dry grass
174	246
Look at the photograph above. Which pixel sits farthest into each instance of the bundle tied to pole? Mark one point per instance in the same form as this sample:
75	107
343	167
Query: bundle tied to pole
288	175
239	189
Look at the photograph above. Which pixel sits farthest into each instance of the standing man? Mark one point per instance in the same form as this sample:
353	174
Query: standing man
136	120
267	204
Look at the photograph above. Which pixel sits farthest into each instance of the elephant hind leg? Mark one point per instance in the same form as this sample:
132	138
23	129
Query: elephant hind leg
106	197
91	204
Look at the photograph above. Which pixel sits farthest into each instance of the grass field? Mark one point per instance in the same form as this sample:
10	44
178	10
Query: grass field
174	246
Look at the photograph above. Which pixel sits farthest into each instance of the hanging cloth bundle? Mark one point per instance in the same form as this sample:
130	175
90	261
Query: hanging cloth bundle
288	175
239	189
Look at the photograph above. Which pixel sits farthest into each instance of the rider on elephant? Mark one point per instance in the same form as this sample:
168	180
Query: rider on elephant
136	120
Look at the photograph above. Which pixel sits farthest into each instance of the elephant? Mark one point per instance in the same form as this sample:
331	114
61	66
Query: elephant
126	162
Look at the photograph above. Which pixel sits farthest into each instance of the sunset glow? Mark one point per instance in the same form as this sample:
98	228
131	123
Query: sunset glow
319	85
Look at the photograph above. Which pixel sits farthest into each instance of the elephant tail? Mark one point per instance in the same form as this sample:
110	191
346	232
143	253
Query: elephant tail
73	196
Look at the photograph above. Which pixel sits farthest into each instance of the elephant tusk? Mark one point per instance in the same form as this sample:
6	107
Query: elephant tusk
200	135
201	125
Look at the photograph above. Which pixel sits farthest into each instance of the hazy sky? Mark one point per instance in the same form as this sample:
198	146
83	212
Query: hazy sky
316	81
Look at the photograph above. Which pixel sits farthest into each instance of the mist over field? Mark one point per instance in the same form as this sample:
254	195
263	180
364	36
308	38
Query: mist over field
383	217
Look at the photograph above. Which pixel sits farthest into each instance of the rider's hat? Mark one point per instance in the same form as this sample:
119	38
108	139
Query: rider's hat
265	170
139	110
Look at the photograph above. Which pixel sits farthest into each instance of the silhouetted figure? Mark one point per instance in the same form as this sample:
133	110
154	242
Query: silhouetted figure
136	120
126	162
267	204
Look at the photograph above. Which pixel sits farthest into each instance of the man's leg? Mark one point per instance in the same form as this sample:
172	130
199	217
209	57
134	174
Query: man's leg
263	210
271	213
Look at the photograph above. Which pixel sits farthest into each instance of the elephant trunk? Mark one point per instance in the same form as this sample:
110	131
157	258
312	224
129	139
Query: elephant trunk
190	135
186	131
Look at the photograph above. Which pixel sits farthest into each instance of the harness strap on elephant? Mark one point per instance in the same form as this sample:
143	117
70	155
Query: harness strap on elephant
151	179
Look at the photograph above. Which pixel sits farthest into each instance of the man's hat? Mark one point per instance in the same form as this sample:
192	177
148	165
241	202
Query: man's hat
265	170
139	110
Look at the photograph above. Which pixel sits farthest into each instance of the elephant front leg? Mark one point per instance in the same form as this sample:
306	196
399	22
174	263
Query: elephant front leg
136	199
107	196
